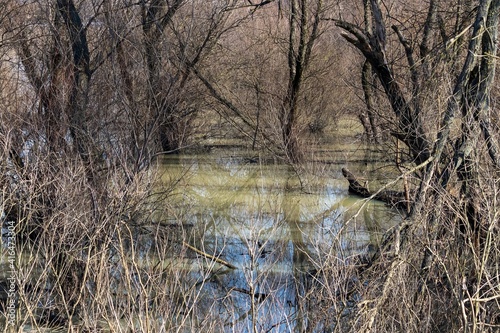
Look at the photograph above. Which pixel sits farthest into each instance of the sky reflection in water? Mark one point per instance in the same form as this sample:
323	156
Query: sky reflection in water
275	227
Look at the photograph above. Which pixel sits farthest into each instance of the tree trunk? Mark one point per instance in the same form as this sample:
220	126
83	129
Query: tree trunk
300	44
367	82
155	19
372	46
81	76
457	163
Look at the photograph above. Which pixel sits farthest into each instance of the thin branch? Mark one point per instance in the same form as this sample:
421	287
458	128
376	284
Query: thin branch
209	256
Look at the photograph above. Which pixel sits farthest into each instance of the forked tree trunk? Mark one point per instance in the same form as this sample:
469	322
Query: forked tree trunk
448	161
372	46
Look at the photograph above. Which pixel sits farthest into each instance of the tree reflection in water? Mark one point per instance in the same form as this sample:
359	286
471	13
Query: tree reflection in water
280	238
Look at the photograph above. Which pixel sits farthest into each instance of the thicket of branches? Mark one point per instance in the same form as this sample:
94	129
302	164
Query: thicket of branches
92	92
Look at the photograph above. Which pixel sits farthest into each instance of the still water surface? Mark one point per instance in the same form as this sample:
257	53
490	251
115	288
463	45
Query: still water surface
276	224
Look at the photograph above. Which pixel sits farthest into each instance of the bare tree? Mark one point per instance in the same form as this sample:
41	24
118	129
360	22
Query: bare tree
453	160
303	28
278	84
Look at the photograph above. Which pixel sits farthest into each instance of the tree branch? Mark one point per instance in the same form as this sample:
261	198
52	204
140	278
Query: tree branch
209	256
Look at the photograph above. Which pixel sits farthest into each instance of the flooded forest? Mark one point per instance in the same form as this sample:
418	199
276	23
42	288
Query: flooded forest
249	166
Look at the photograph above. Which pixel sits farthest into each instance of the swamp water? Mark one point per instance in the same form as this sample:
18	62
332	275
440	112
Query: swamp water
276	225
252	234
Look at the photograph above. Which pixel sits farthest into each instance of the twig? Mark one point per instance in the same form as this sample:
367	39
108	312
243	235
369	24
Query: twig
209	256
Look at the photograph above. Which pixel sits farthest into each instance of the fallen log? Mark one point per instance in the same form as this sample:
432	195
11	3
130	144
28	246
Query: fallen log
392	198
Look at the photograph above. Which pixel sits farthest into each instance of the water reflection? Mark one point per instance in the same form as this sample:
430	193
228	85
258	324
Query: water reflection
275	227
258	218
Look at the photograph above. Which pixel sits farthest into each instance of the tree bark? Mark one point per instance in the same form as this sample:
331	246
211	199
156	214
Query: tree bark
367	82
410	129
163	115
299	57
81	75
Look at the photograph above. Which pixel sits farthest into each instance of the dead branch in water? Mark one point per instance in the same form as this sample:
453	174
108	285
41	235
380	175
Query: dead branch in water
393	198
209	256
